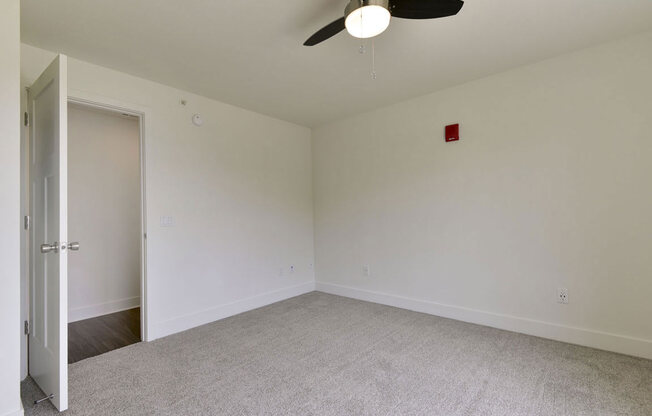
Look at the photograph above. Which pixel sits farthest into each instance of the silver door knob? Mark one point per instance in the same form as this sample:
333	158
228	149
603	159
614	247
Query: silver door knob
46	248
74	246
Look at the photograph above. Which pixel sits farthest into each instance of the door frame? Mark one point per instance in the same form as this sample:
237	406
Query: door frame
145	124
90	100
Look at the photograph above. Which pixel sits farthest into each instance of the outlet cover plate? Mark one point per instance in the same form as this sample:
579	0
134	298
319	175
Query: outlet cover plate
562	295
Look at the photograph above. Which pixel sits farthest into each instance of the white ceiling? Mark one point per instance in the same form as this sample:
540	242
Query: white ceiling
250	53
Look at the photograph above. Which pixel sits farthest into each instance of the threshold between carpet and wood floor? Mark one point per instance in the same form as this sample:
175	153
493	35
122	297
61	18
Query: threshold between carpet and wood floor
99	335
320	354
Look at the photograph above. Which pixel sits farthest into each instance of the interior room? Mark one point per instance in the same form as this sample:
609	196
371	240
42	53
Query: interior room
105	212
355	207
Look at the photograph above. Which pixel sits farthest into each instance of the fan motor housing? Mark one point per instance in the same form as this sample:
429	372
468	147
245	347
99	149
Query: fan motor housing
356	4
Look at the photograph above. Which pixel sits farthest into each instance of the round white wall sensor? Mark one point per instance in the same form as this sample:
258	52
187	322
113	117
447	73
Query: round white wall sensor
197	120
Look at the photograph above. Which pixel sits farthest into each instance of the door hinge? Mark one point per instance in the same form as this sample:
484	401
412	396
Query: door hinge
26	222
26	118
26	327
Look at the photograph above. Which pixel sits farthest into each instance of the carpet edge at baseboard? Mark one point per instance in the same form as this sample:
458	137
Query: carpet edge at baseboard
183	323
581	336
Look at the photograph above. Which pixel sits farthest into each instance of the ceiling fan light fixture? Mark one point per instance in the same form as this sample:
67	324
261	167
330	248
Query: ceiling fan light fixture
367	18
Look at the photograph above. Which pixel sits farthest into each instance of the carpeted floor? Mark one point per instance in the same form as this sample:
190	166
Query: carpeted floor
319	354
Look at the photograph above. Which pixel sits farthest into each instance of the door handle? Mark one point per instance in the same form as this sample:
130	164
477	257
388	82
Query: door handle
74	246
46	248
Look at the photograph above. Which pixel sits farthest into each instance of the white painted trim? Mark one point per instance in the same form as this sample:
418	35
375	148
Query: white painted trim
145	121
144	114
91	311
18	412
182	323
581	336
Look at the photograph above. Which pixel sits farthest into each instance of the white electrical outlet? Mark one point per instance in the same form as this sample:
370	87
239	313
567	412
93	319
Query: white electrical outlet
366	270
292	268
562	295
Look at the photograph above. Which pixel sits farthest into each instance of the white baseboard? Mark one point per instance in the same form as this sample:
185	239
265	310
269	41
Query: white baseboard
182	323
91	311
596	339
18	412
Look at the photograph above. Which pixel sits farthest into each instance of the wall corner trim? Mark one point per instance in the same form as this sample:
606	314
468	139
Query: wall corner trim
580	336
91	311
182	323
18	412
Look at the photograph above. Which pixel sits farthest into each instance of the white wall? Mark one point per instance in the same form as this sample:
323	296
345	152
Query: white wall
238	188
103	212
549	187
10	326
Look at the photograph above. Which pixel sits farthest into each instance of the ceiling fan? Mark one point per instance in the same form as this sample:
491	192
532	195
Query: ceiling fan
369	18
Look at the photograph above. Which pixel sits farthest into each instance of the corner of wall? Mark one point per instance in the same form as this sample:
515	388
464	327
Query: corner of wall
10	327
183	323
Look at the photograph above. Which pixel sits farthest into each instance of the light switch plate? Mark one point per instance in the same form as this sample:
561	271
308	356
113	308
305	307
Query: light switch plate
167	221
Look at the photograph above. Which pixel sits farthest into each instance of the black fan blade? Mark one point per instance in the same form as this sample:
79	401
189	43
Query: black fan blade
424	9
326	32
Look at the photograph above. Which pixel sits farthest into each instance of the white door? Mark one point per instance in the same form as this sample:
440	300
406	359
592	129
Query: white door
48	337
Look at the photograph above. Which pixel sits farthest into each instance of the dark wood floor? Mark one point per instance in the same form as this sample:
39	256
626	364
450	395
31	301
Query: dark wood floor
96	336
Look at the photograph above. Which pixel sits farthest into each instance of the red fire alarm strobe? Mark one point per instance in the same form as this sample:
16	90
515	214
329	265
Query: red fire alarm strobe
452	133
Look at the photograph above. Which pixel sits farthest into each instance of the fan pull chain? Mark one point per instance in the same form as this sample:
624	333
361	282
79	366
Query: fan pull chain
373	60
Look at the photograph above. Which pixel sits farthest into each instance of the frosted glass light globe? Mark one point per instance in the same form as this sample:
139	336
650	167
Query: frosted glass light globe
368	21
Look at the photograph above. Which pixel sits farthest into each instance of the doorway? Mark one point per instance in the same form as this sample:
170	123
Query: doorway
46	244
104	216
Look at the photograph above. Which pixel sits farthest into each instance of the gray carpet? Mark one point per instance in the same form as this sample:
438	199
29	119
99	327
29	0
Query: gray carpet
319	354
